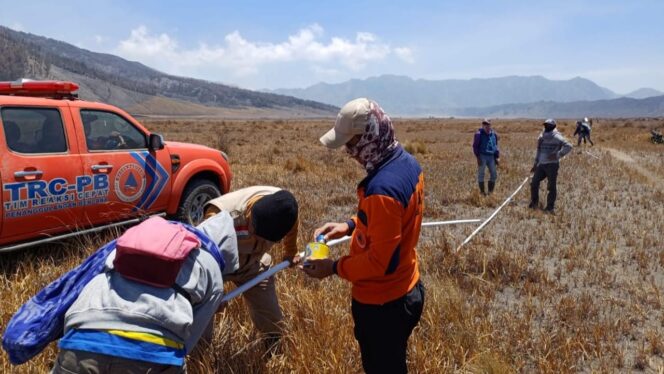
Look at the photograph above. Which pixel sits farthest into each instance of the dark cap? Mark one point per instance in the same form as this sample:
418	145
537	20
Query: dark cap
273	216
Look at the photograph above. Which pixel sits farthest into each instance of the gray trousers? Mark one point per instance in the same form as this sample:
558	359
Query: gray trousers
584	136
261	299
490	161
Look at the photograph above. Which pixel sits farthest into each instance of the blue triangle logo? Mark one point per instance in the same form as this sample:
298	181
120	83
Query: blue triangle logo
131	181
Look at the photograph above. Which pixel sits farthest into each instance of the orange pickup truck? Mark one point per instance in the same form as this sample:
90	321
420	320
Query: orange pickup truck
71	166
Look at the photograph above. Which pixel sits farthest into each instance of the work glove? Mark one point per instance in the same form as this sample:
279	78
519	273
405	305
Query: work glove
319	268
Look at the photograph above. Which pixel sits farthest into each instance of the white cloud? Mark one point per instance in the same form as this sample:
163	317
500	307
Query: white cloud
405	54
18	26
141	44
325	71
241	56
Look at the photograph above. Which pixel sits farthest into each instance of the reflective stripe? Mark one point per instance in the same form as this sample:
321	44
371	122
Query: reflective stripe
147	337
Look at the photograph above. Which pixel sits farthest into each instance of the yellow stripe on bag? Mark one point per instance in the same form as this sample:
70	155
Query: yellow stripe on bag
146	337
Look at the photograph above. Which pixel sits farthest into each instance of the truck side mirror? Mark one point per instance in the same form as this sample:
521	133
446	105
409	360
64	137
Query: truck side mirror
156	142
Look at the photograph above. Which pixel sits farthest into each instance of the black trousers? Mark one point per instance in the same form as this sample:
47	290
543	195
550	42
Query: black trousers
383	331
550	172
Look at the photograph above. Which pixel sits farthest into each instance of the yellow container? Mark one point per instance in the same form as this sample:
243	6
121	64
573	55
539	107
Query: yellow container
316	251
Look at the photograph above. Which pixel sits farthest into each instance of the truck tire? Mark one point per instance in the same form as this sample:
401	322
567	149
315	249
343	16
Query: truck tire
196	194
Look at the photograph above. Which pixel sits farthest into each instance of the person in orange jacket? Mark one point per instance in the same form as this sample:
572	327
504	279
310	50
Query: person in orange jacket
387	294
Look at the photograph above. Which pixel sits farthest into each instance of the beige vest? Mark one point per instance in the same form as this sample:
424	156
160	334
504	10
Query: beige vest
235	203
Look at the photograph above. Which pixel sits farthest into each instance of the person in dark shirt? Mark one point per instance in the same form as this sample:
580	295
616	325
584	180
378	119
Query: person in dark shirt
583	131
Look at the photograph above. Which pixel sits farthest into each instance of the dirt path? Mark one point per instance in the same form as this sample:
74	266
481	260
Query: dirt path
631	163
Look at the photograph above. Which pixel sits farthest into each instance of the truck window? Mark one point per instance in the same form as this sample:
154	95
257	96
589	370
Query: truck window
106	131
34	130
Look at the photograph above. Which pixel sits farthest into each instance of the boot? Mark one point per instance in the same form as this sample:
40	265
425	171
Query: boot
491	186
481	184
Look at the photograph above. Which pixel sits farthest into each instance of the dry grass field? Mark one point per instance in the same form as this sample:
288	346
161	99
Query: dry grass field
579	291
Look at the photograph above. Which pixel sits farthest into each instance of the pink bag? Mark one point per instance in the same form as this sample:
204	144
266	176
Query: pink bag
153	251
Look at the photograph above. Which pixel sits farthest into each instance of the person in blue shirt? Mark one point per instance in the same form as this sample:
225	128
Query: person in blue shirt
485	147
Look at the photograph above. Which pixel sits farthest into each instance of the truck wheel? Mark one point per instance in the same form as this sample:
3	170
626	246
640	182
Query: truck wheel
197	193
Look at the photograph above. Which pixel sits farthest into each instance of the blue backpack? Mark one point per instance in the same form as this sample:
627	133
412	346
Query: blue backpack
41	319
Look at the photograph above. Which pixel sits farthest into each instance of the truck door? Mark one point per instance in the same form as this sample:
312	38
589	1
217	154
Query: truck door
115	147
41	173
1	194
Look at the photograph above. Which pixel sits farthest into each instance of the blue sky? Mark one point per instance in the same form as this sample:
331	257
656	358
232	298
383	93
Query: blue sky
274	44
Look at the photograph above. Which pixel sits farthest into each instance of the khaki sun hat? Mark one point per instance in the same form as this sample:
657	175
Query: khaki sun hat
351	120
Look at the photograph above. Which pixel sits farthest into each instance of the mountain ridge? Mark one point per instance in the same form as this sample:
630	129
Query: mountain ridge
614	108
143	90
518	96
421	96
109	78
643	93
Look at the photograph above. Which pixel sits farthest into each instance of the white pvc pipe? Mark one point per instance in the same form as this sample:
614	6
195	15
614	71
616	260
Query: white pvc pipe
338	241
442	223
243	288
424	224
283	265
480	227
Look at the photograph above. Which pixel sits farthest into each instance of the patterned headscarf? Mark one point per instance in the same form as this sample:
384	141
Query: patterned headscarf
378	140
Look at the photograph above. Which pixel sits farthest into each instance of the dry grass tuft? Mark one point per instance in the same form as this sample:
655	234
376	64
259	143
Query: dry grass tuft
298	165
415	147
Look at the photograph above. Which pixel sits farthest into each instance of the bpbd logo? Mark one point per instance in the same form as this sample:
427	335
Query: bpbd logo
130	182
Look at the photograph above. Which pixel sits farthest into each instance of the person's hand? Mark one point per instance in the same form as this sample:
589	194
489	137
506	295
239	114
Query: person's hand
318	268
294	260
497	161
532	170
332	230
479	163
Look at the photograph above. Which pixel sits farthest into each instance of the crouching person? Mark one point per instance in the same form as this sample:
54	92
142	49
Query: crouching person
263	216
121	324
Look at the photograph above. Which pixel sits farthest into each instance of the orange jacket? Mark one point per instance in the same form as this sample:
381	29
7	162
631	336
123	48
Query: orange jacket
382	264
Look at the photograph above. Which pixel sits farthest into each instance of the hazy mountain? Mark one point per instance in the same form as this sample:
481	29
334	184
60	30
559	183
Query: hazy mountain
131	85
406	96
622	107
642	93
